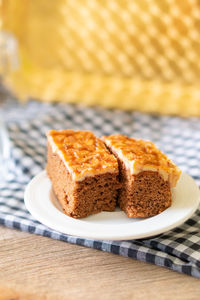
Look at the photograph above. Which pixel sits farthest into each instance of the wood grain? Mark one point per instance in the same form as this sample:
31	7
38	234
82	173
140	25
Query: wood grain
38	268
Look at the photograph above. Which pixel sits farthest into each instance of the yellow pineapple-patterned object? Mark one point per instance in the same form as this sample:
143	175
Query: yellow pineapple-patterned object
129	54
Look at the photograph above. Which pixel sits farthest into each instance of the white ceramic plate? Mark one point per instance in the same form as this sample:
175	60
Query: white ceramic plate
43	205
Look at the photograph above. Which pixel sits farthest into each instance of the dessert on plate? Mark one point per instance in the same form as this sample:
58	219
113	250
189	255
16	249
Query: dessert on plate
90	175
147	176
83	172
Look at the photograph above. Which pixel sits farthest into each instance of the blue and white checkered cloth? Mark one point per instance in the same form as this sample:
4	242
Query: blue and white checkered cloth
178	249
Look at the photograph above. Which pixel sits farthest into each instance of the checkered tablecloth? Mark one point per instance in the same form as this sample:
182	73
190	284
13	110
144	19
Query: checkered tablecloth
26	125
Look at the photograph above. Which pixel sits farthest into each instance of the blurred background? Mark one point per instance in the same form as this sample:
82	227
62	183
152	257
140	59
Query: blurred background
129	54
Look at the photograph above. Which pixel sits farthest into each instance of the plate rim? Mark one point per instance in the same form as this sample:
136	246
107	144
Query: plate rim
98	235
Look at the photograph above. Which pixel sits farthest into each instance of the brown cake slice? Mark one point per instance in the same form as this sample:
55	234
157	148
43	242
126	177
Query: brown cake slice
146	174
83	172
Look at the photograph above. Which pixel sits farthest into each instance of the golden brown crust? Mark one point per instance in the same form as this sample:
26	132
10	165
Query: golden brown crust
144	152
83	153
140	155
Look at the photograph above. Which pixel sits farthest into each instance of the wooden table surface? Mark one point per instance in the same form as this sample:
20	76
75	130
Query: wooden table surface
36	268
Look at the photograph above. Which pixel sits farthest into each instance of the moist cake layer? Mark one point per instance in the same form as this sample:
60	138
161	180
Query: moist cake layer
143	195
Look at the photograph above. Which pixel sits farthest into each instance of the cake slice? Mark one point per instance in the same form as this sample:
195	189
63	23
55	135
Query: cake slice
83	172
146	174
